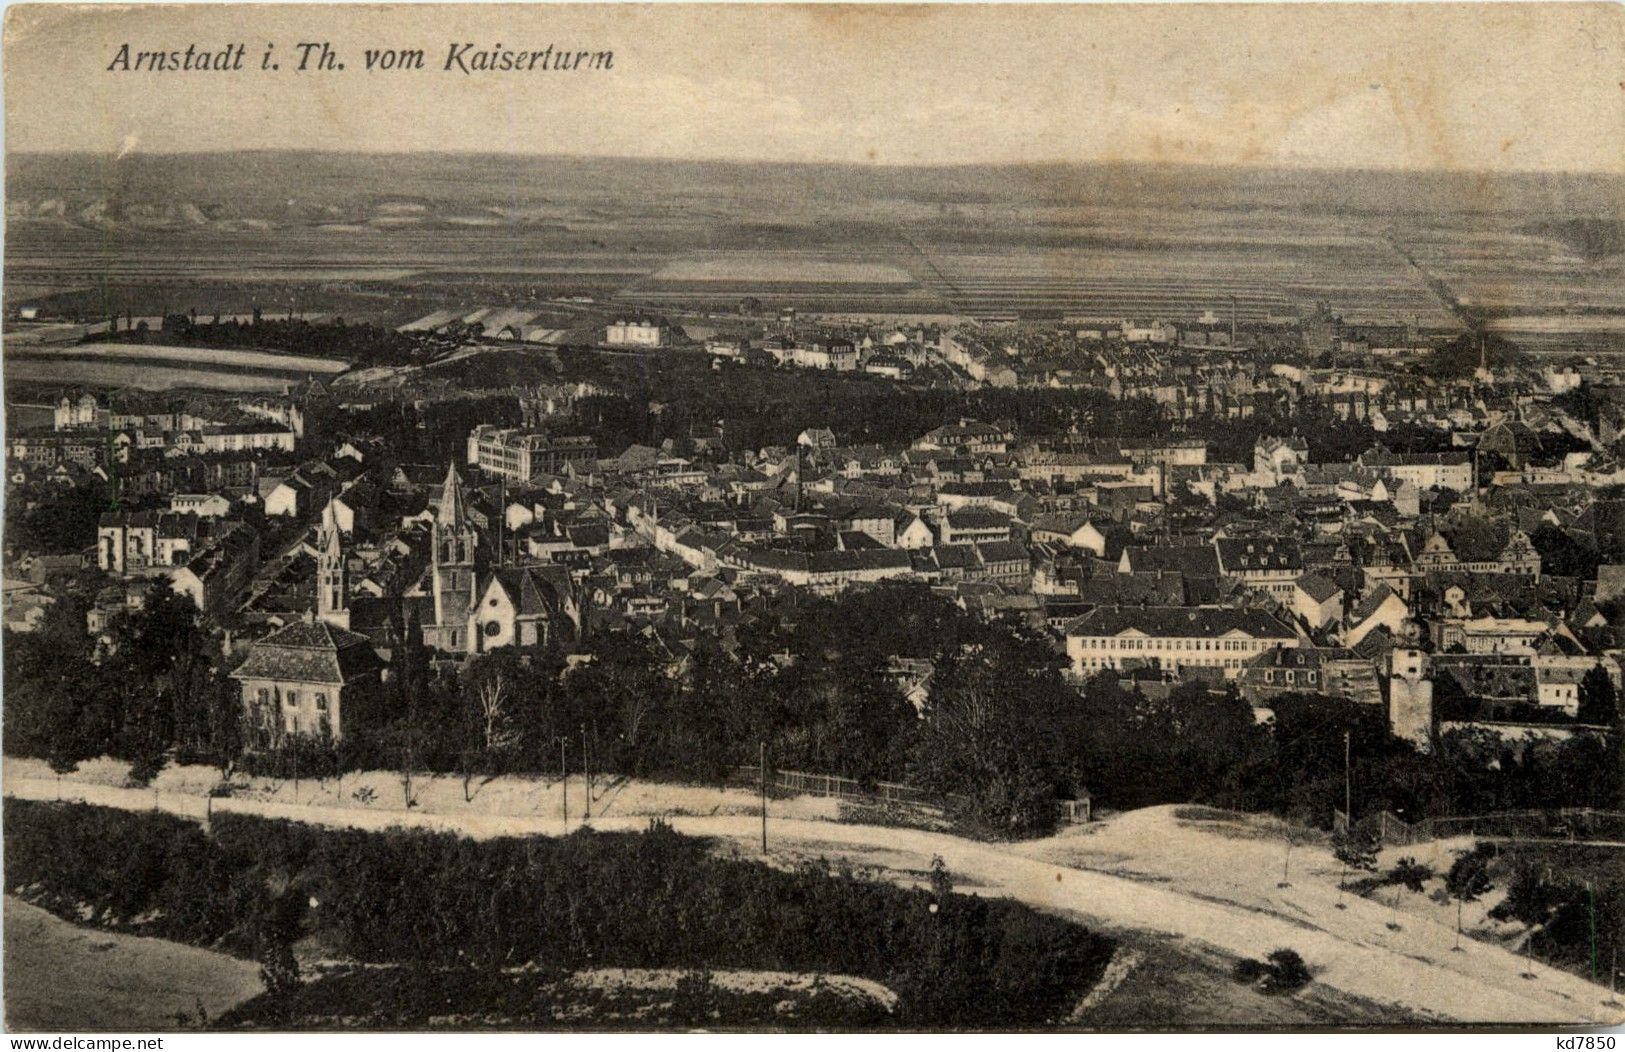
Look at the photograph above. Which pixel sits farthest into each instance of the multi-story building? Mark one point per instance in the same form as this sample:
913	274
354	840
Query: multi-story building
1452	471
1265	564
216	577
522	456
638	332
144	542
1173	637
311	680
78	414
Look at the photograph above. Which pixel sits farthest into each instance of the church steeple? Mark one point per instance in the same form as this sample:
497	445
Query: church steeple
455	543
332	577
453	511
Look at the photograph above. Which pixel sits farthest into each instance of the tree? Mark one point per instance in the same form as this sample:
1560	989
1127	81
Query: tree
1469	878
1356	850
1598	704
1410	874
989	740
493	682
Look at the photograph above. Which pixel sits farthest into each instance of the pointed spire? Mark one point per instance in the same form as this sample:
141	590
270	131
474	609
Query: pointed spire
452	511
328	539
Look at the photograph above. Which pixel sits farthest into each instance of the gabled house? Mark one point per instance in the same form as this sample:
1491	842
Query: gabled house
311	680
1317	599
1382	608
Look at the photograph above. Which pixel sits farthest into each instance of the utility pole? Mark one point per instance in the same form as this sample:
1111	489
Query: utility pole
586	775
1591	909
564	785
1348	810
762	773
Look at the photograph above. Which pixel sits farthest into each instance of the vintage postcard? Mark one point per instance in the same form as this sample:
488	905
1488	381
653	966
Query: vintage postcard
755	517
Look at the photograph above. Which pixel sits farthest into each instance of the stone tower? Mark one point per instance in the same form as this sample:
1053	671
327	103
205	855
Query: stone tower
1410	699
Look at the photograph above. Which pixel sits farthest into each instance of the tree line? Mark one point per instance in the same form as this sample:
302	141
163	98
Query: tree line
999	734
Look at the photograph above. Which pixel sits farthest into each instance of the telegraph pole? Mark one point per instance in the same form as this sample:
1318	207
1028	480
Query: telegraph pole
1348	810
586	775
762	773
1591	909
564	785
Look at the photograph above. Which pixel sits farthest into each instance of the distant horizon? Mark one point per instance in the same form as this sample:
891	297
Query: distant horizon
736	162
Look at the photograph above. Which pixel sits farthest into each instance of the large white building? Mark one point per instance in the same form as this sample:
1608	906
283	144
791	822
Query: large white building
1172	637
522	456
637	332
1452	471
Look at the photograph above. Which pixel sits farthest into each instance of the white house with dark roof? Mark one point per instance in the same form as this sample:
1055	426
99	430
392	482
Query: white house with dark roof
310	679
638	332
1381	608
1265	564
1317	599
525	607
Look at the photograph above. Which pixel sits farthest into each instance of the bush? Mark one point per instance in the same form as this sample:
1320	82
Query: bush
1287	972
1283	971
1409	872
1248	971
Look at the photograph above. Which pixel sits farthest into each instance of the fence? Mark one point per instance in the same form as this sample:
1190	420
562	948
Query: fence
1566	823
803	783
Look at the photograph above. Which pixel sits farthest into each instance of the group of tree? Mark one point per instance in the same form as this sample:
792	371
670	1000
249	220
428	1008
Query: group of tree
665	398
998	735
45	518
1572	898
154	688
364	344
448	906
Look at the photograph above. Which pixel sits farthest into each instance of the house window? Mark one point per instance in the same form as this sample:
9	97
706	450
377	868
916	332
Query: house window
264	695
321	702
292	699
493	628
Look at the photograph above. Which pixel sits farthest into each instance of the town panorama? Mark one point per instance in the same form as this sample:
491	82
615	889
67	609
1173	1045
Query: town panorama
460	591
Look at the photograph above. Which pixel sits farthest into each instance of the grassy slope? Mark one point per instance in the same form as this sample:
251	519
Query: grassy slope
63	977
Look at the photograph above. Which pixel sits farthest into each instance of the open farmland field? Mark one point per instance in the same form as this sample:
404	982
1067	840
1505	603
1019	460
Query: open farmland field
1508	272
810	281
155	367
1045	241
60	372
207	357
1117	261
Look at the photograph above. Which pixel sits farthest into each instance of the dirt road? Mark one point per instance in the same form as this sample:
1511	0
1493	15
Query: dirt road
1239	911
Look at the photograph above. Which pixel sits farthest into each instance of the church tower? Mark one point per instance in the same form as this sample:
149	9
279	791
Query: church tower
454	579
332	577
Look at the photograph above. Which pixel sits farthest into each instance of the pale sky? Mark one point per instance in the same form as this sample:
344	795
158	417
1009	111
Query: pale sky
1499	86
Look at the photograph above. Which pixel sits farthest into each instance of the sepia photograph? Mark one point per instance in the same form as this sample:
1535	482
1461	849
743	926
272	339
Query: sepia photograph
813	518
